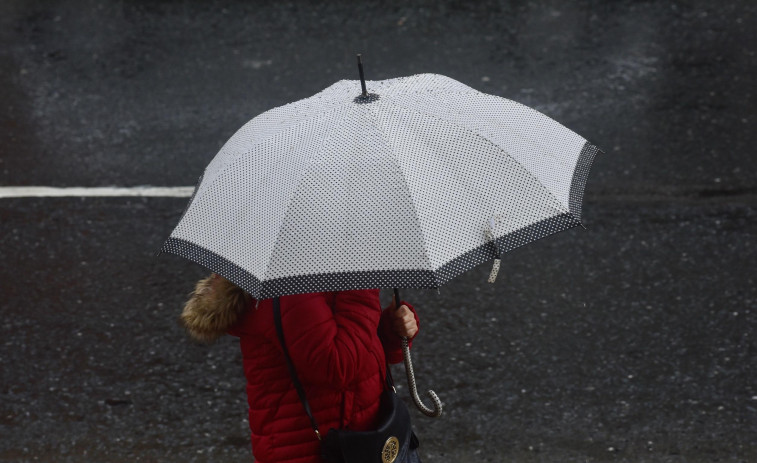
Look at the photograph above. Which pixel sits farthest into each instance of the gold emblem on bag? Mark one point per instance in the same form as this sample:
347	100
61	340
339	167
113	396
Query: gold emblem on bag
391	450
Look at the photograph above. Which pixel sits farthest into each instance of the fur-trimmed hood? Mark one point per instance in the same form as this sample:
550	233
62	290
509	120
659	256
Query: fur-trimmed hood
215	306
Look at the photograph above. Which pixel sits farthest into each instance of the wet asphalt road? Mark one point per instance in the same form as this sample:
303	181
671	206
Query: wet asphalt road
631	341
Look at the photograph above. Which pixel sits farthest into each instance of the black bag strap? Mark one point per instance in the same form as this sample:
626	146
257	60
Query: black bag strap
389	378
292	371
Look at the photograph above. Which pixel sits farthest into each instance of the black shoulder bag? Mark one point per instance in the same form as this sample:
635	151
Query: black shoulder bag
391	442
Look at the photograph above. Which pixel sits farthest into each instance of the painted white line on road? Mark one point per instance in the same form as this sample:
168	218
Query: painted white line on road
81	192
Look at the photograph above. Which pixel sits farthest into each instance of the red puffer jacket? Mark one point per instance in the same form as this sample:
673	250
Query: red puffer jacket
335	341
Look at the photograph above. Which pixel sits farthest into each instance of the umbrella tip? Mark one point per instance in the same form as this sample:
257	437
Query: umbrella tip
362	76
364	97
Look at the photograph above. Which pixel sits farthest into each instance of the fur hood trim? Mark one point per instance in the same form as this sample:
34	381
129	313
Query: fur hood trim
213	308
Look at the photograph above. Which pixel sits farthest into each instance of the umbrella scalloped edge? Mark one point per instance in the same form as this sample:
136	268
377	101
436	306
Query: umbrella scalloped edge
399	278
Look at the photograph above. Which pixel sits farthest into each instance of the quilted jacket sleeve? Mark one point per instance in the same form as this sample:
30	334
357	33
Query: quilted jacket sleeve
331	337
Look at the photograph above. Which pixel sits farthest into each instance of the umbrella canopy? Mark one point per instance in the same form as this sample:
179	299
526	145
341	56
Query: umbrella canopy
410	185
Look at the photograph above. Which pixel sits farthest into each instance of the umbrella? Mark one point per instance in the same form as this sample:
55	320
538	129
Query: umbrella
405	182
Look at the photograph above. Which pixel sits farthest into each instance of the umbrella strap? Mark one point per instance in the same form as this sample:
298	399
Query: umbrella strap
292	371
498	255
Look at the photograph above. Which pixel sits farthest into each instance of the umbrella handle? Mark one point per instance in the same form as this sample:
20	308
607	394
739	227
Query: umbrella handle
437	410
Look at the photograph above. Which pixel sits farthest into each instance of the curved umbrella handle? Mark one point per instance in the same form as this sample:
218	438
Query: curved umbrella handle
437	410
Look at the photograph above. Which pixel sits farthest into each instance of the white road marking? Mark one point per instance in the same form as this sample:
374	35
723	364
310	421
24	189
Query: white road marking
53	192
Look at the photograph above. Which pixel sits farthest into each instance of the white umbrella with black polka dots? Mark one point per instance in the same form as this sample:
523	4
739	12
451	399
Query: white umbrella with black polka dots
407	184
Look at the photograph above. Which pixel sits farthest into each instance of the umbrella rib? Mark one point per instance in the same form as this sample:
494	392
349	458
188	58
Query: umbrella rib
305	103
237	157
329	131
471	91
488	141
383	136
240	158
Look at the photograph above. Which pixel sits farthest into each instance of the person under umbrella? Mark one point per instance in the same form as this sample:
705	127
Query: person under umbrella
406	186
340	343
